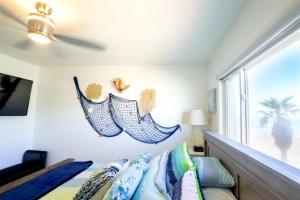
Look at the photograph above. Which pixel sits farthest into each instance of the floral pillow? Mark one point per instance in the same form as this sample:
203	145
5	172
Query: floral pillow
126	184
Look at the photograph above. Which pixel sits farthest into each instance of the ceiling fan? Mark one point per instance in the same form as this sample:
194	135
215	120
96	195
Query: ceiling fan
41	27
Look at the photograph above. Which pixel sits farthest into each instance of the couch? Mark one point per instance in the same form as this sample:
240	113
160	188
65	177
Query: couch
32	161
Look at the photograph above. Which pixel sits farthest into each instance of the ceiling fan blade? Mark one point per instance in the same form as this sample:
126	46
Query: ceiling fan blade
24	45
9	14
80	42
57	52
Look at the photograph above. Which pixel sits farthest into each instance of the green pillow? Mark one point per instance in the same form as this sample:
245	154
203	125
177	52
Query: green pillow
179	162
212	173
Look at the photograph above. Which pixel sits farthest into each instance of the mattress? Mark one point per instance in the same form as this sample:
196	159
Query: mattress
70	188
218	194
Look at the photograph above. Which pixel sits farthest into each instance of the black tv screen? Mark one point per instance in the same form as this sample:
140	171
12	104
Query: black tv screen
14	95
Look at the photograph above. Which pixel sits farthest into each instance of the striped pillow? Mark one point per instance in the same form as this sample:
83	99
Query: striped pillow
179	162
100	181
212	173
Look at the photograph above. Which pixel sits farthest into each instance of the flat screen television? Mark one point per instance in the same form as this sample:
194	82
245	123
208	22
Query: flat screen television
14	95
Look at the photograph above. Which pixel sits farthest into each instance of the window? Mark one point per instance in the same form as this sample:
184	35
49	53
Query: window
233	119
263	102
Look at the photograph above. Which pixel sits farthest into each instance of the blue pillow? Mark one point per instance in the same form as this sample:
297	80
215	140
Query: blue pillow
147	189
142	159
125	185
212	173
161	177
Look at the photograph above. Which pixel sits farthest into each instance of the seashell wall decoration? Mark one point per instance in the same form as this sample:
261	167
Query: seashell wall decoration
93	91
147	101
120	85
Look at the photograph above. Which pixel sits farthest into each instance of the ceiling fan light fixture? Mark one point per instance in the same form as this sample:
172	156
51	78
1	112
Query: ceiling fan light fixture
40	26
38	37
37	17
43	8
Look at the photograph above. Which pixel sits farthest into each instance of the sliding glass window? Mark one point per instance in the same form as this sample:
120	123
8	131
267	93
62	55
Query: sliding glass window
262	102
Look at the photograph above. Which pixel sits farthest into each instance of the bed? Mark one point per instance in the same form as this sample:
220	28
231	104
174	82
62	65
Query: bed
253	179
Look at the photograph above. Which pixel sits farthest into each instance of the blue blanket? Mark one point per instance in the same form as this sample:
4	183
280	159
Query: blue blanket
44	183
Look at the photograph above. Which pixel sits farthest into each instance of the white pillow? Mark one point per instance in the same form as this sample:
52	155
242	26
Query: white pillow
218	193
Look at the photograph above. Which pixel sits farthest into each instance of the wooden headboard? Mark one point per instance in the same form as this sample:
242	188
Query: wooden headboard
256	175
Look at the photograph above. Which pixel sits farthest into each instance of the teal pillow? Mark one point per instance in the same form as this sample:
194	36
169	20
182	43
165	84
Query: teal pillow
212	173
147	189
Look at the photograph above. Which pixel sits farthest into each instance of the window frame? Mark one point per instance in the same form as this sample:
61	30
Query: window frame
242	73
244	111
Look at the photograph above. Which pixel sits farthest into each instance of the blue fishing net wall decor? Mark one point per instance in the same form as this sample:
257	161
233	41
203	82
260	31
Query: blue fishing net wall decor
115	115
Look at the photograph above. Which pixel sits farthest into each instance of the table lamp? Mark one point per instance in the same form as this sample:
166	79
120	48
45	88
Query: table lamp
197	118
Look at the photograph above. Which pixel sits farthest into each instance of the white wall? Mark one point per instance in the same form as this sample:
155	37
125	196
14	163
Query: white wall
63	131
16	133
256	19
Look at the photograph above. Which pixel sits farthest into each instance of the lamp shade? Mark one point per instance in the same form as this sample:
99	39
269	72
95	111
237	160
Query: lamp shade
197	117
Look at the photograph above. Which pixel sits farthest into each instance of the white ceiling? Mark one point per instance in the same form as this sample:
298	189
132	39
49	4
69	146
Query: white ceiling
138	32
